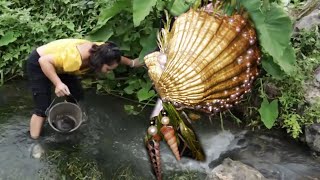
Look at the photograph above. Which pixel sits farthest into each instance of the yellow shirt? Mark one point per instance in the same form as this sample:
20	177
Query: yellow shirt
67	58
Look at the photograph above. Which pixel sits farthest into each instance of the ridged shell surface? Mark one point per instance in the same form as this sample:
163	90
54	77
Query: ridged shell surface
211	61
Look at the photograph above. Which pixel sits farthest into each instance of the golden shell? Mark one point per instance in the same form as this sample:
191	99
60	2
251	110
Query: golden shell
211	61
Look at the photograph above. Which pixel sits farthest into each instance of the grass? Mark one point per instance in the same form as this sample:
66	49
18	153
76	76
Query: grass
73	165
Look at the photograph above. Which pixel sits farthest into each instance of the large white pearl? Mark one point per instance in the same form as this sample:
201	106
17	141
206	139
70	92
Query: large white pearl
165	120
162	59
152	130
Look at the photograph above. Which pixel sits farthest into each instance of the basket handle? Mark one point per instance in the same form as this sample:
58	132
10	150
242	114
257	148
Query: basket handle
47	110
75	100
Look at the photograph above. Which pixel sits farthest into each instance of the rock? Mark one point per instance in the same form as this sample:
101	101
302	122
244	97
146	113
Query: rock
312	134
37	151
310	20
317	75
234	170
312	88
312	94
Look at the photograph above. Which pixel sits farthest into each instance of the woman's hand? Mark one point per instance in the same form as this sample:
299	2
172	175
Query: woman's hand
136	63
62	90
131	62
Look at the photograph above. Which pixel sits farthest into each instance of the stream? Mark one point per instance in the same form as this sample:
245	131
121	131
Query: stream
112	140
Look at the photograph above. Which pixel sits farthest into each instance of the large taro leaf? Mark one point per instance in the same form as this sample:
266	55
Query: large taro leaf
269	112
141	9
272	68
148	43
101	35
106	13
177	7
274	32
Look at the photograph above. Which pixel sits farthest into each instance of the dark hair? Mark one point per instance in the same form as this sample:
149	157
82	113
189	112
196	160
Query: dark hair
107	53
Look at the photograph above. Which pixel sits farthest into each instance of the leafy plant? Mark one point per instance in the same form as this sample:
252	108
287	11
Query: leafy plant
23	27
274	31
294	113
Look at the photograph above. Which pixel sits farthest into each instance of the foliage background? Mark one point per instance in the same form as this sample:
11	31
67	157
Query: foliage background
133	25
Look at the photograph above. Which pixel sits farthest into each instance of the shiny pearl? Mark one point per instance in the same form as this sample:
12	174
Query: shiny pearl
152	130
252	41
162	59
165	120
239	60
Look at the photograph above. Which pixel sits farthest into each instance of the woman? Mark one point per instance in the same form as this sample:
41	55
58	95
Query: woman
58	63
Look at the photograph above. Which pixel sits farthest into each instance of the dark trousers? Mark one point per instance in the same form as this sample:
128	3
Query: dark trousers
41	86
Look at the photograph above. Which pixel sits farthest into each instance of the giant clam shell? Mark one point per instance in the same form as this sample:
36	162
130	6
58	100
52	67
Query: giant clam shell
211	61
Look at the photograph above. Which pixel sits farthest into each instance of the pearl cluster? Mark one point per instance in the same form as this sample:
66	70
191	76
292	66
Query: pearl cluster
238	22
153	130
162	59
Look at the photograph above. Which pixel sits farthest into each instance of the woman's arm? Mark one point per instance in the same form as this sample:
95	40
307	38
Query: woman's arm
130	62
47	66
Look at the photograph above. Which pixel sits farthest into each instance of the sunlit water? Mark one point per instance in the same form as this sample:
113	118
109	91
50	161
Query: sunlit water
113	139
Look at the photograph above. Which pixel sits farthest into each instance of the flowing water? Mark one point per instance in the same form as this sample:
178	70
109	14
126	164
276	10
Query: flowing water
113	140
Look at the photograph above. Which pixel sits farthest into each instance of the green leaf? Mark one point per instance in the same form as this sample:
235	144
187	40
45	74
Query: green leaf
130	109
129	89
144	94
9	37
107	13
141	9
146	85
148	43
192	141
288	59
69	25
269	112
103	34
125	47
177	7
272	68
110	75
99	87
160	5
274	31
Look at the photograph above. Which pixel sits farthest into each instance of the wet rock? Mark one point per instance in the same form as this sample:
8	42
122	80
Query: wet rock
312	134
234	170
234	147
37	151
